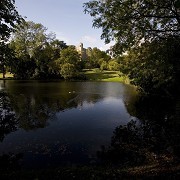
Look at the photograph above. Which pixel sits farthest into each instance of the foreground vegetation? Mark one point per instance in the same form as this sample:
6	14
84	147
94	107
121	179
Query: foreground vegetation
98	173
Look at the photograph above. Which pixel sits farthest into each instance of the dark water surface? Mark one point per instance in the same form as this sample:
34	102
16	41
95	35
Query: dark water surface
54	123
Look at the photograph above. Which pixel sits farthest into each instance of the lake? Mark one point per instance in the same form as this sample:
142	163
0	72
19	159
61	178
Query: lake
63	122
50	124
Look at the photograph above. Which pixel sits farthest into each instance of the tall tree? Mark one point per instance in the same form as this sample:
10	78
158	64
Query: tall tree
129	21
27	37
9	17
34	50
96	57
69	63
5	57
154	66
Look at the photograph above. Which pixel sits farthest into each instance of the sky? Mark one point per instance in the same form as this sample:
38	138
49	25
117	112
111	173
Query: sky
65	18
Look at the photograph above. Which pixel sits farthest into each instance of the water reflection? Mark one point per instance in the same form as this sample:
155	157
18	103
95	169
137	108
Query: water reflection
10	162
153	138
61	123
8	120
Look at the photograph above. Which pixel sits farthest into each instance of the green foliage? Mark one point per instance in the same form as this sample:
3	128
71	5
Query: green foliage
129	21
69	55
27	37
8	18
68	71
96	57
36	52
6	57
150	31
113	65
154	66
69	63
104	65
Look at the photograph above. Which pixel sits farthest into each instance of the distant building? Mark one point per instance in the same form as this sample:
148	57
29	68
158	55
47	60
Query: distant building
82	51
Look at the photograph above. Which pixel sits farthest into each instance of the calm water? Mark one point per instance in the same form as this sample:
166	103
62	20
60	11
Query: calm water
49	124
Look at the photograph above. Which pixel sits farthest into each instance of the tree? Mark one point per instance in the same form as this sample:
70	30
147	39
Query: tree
6	57
68	71
96	57
27	37
103	65
69	62
69	55
9	17
149	31
154	66
113	65
130	22
35	50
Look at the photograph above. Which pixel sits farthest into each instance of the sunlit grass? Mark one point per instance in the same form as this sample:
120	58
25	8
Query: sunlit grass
7	75
92	75
108	76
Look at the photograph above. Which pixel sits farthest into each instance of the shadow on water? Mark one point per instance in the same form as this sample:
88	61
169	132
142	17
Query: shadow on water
153	138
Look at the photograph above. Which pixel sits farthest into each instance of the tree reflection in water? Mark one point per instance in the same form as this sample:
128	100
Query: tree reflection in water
151	139
10	162
8	123
8	120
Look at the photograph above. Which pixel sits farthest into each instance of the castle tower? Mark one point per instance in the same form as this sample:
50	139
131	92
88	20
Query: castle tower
82	51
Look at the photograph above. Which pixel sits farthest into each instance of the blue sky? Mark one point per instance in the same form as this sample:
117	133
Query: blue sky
65	18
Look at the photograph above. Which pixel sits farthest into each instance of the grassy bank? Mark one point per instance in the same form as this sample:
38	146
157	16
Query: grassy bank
93	75
7	76
109	76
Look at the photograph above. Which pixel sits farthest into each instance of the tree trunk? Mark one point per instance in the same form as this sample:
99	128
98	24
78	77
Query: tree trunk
3	71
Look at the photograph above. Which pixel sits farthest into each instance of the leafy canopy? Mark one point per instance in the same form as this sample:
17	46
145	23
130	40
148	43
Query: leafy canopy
129	21
154	66
36	51
8	18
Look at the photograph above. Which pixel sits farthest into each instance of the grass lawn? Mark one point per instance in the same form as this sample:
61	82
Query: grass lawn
7	76
92	75
109	76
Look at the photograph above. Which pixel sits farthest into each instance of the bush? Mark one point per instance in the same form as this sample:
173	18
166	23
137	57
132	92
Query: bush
68	71
113	66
